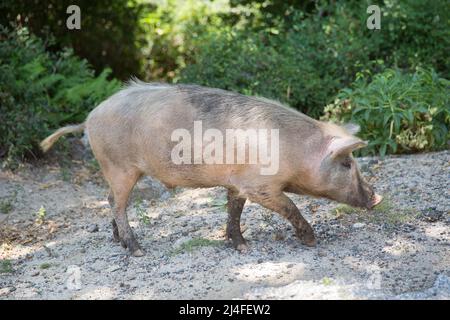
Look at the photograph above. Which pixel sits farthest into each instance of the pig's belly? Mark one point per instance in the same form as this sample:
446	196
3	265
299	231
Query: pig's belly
191	176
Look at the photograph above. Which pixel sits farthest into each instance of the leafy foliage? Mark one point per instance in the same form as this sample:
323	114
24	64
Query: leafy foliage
192	244
110	34
415	33
40	90
171	32
308	58
398	112
294	67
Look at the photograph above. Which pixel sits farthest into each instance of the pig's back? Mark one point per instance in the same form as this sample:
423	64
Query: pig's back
162	105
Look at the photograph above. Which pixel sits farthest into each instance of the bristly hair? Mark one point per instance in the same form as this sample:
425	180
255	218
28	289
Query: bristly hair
136	84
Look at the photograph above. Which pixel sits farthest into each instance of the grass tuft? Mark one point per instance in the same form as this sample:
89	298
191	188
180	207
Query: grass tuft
191	245
6	266
384	212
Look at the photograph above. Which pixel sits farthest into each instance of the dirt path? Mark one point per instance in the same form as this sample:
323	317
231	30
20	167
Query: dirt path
56	242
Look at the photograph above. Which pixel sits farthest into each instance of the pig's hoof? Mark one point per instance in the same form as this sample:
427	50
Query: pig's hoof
133	246
138	253
242	247
239	243
307	238
310	242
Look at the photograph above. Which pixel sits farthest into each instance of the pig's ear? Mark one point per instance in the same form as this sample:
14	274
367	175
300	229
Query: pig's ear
352	128
343	146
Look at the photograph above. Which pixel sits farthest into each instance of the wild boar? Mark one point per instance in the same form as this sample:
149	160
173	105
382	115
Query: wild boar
132	134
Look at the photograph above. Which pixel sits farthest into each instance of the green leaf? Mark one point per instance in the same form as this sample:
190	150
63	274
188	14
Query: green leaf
383	150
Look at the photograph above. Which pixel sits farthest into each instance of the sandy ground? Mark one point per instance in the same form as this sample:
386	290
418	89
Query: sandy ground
56	241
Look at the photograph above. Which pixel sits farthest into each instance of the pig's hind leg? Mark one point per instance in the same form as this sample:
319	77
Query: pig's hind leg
116	237
235	206
122	182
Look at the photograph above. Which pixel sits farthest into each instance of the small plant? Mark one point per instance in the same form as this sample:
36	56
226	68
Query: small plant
343	209
384	212
45	265
327	281
7	203
385	206
40	215
5	266
140	211
6	206
192	244
93	165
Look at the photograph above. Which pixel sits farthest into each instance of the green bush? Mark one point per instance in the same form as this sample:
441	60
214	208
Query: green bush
398	112
110	34
303	67
41	91
308	58
415	33
171	30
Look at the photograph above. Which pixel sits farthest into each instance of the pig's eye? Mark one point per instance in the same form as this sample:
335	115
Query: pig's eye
347	163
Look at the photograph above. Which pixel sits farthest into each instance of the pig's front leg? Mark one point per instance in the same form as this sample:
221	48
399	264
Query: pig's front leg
282	204
235	205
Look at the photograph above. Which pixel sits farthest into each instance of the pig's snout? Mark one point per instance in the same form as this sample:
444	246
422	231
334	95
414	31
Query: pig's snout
375	200
367	197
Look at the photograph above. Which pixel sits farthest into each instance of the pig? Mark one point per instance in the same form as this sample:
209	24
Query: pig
131	135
